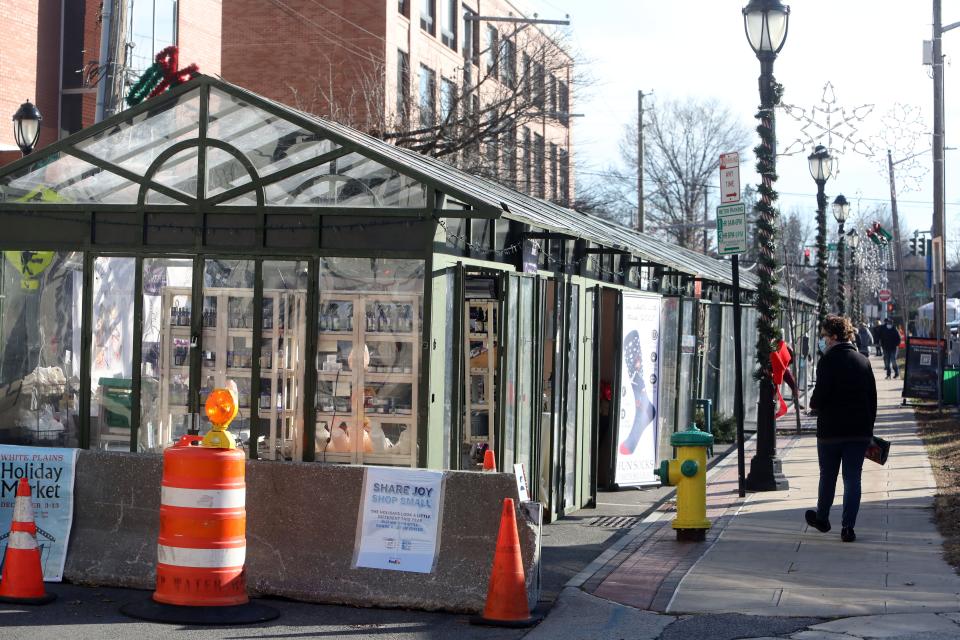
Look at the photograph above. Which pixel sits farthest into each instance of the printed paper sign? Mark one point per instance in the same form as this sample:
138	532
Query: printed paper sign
50	473
399	522
637	433
521	476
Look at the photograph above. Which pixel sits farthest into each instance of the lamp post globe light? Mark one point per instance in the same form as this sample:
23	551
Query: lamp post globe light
841	209
765	23
855	311
26	127
821	168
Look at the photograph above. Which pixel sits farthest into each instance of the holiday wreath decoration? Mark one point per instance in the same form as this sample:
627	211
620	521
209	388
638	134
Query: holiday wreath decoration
161	75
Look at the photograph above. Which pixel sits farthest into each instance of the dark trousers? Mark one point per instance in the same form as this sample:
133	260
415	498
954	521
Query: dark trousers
890	361
832	455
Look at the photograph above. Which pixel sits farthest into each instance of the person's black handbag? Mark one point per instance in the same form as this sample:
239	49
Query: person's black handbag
878	450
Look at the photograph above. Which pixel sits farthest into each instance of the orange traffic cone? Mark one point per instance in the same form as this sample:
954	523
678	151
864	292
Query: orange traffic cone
507	595
489	462
22	581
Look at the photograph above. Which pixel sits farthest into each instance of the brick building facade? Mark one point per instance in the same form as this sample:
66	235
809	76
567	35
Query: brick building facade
392	67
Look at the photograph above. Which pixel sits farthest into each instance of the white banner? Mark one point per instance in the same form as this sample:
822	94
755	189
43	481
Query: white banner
50	473
638	432
399	523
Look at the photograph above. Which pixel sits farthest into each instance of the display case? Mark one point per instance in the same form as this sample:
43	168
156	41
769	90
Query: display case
228	354
368	352
480	347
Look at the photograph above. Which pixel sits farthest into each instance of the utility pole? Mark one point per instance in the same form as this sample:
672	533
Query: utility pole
640	160
898	248
706	219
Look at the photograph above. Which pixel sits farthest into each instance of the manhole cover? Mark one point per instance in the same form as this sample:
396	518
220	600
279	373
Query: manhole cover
614	522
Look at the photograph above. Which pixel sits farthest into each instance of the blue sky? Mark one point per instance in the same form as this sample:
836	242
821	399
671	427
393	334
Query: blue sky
870	50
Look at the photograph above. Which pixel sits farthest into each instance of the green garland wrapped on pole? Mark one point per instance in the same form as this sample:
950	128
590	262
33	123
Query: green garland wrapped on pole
768	300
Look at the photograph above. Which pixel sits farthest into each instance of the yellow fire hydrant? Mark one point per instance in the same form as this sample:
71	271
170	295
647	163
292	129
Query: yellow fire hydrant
689	474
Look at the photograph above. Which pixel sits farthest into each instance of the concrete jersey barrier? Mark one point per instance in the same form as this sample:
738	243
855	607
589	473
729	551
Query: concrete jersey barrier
301	531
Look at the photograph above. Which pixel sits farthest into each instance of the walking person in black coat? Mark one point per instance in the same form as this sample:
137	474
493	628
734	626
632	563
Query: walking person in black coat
845	400
890	342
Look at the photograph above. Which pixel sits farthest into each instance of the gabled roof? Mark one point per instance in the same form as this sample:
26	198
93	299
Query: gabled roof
209	145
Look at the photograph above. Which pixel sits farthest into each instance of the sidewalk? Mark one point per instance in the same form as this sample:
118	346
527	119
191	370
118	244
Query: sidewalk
760	558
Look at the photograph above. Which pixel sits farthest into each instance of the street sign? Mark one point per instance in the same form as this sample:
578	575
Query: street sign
731	229
729	177
884	295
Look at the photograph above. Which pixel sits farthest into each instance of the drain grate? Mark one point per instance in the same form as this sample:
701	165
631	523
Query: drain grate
614	522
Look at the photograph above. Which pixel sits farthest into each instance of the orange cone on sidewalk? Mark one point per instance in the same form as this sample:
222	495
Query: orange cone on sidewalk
489	462
22	580
507	595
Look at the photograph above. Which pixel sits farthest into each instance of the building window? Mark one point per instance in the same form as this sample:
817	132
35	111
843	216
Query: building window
154	26
564	195
527	160
508	62
526	72
428	16
448	101
448	28
471	36
493	37
539	160
403	6
428	90
539	80
554	194
510	155
563	103
403	86
552	95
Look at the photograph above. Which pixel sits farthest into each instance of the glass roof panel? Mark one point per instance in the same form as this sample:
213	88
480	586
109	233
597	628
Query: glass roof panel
180	172
136	142
155	197
63	178
349	181
246	199
270	142
224	172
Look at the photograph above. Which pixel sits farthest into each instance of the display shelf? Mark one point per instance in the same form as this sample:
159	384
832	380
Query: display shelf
228	354
480	346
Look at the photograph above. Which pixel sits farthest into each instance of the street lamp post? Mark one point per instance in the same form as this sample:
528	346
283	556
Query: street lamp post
856	308
841	209
765	23
26	127
821	168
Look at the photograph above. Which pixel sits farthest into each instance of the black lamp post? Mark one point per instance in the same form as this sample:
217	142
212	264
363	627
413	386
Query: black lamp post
821	168
26	127
841	209
765	23
855	311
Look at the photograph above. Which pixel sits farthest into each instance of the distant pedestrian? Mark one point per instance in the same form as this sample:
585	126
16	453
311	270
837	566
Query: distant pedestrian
890	338
875	334
845	400
864	340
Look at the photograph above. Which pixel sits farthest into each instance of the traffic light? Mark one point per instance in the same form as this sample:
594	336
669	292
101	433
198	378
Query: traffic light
923	246
913	244
806	257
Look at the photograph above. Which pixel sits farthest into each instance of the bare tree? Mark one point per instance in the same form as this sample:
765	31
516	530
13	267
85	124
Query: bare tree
522	78
683	141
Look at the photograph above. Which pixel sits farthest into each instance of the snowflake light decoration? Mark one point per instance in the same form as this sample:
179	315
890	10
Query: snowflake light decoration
835	127
905	133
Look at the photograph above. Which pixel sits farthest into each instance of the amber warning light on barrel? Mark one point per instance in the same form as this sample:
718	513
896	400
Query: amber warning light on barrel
221	408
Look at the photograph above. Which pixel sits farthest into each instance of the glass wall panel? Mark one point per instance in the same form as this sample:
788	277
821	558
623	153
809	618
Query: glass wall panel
570	417
269	142
688	357
549	456
136	143
282	358
669	339
442	368
509	381
525	403
179	172
727	373
711	352
165	367
64	178
228	349
368	360
349	181
40	330
751	389
111	353
224	172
